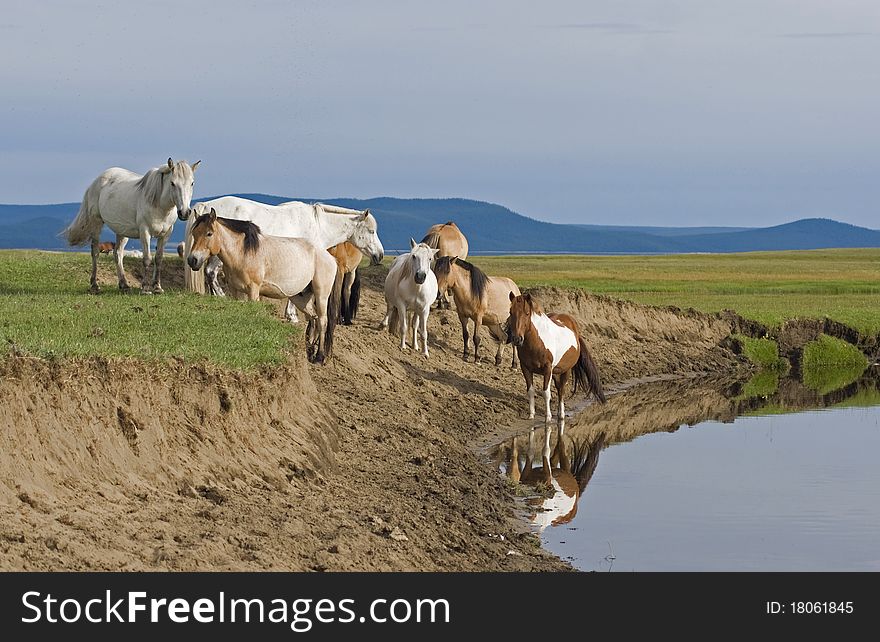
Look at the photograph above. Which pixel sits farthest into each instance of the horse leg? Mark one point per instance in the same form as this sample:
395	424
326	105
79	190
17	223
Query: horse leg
212	276
401	320
548	415
423	326
148	262
157	264
93	280
118	254
561	382
320	321
464	334
290	311
513	361
530	389
414	323
478	321
345	304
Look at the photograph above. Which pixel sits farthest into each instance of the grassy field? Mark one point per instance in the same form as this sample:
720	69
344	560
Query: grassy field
45	311
769	287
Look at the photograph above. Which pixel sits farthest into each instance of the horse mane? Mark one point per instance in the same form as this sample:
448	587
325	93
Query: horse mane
432	240
250	230
479	280
150	185
443	265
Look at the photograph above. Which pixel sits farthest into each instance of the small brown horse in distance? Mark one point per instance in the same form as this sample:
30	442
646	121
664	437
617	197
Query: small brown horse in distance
348	258
448	239
480	298
550	345
275	267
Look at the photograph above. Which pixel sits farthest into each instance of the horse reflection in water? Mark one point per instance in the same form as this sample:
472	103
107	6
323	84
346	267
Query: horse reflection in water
566	470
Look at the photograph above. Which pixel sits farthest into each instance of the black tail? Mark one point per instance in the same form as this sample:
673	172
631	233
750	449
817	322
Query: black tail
333	305
586	374
354	297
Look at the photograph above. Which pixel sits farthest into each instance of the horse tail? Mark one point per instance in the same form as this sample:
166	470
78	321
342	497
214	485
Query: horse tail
83	228
193	280
393	322
354	298
586	374
432	239
333	304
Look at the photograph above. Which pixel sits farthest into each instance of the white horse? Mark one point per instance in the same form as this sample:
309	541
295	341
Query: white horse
410	289
323	225
134	206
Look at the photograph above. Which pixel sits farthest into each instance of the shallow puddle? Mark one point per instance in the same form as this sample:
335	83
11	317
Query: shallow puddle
698	475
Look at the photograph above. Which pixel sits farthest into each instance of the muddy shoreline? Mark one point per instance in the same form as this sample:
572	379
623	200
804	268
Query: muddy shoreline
373	462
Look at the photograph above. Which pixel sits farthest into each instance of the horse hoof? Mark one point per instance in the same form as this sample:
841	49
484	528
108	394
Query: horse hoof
124	288
157	289
94	289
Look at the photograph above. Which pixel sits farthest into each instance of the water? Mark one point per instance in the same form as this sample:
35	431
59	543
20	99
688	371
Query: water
785	481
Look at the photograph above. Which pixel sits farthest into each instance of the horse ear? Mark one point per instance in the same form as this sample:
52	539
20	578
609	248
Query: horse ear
194	165
435	250
412	243
170	163
512	296
212	215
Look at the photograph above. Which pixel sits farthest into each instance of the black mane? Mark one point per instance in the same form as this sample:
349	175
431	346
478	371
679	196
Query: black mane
478	278
250	230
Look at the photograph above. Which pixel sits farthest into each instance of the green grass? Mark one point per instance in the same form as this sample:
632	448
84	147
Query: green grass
769	287
763	353
829	364
45	311
763	384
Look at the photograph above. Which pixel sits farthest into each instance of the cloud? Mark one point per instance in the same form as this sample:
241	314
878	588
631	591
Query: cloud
828	34
611	28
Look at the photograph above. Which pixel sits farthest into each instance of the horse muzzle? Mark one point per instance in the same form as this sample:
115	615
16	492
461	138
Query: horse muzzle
518	341
420	277
376	259
195	263
183	214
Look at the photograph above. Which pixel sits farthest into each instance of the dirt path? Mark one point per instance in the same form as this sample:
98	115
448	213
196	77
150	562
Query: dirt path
368	463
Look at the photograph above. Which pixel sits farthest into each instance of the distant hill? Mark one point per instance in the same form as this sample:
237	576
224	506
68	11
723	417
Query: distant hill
493	228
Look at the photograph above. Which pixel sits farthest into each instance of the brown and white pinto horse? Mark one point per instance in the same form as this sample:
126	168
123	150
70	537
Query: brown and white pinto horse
550	345
348	258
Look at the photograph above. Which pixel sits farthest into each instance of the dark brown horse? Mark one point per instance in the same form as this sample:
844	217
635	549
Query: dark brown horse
551	346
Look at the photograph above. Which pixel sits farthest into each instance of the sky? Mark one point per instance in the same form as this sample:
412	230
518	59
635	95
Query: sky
642	112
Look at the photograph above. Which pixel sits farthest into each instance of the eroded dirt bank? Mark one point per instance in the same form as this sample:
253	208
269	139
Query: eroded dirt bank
368	463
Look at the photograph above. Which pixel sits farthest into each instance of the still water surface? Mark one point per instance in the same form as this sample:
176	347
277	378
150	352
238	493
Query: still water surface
789	481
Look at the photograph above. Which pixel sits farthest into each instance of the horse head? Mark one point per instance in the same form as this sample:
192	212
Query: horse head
179	182
365	237
420	256
205	242
443	272
520	319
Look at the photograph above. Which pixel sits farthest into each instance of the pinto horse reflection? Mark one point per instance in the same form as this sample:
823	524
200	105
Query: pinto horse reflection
567	471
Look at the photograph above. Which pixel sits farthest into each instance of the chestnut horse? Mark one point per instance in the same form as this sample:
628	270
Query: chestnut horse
348	258
448	240
550	345
478	297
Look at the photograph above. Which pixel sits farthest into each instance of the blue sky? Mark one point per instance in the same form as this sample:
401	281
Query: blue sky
688	112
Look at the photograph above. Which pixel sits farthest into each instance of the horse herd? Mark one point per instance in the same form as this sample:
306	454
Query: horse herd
308	255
